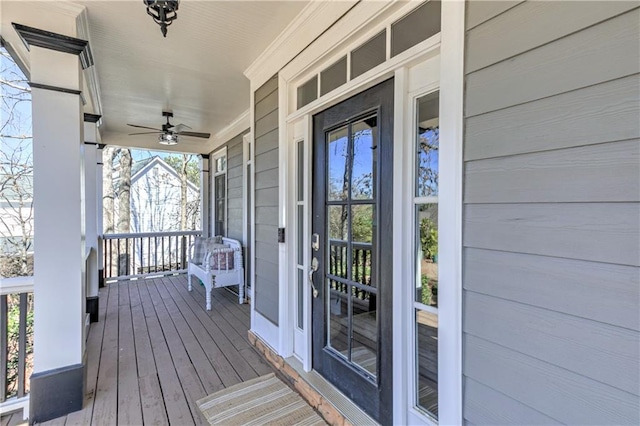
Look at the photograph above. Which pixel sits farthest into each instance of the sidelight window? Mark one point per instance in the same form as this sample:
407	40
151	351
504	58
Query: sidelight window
425	303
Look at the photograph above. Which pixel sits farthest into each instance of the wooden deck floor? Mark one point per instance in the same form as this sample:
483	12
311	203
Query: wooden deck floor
155	351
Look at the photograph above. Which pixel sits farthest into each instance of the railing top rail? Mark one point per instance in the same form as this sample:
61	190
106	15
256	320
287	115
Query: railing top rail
16	285
149	234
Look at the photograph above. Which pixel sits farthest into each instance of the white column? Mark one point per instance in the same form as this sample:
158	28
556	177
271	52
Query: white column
99	213
59	211
204	195
91	214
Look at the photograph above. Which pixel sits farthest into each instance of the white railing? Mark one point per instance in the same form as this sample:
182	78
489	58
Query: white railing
143	254
16	306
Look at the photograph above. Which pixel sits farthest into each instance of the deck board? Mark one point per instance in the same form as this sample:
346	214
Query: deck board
155	350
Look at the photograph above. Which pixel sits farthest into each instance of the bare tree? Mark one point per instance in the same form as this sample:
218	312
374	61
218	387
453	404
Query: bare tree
124	192
108	196
16	168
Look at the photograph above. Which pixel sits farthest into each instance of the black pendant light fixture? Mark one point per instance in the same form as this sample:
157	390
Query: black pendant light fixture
163	12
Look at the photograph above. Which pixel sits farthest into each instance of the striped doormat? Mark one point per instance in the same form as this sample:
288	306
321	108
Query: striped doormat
265	400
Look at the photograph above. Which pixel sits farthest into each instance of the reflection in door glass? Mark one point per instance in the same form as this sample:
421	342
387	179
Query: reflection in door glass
365	135
338	173
338	327
427	146
364	339
426	253
427	360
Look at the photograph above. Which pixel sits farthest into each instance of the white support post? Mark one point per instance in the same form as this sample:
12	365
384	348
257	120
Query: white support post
57	384
99	213
91	218
205	207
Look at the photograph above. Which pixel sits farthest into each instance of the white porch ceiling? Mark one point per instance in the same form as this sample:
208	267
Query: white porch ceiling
196	71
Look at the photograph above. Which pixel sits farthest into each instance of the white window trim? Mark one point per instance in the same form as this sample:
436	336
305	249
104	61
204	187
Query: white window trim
449	223
214	174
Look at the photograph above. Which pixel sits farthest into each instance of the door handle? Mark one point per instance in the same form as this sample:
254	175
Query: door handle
315	290
314	267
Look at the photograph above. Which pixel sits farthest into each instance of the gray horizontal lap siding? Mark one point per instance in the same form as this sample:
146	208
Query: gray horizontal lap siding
551	213
266	200
235	221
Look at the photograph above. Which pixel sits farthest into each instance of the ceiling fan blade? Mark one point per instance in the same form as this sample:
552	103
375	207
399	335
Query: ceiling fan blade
144	133
180	128
195	134
144	127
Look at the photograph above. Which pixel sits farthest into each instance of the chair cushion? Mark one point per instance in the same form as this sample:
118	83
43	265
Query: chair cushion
222	259
199	250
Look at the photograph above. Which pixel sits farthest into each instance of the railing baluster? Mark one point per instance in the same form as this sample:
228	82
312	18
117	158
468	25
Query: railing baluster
155	252
22	344
4	347
162	241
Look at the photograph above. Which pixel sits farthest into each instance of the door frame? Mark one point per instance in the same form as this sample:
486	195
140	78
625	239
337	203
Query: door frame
448	47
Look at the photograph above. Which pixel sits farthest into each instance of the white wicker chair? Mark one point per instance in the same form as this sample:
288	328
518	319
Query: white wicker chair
220	267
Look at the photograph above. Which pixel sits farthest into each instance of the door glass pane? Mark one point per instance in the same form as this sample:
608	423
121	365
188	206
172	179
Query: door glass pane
427	146
427	254
362	263
338	221
337	264
365	136
337	170
338	309
300	171
362	223
300	235
364	344
427	361
301	283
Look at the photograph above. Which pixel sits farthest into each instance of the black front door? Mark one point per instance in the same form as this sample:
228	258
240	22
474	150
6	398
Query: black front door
352	225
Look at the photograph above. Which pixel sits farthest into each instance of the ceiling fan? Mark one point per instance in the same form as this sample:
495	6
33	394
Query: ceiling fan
169	133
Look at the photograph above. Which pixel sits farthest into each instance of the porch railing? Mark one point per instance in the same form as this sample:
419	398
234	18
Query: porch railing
16	335
142	254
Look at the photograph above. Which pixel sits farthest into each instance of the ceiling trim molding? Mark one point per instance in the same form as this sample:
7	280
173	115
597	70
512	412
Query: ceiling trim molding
59	42
310	23
237	126
91	74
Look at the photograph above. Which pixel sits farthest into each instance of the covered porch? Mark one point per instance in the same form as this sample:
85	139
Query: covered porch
155	351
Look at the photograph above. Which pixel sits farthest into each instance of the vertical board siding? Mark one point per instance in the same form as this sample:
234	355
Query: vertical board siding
266	199
552	214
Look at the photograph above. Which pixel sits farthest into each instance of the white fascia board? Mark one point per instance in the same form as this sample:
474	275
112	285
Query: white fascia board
241	124
91	82
310	23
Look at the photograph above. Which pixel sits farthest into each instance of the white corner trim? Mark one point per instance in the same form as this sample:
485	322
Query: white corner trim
450	210
238	125
312	21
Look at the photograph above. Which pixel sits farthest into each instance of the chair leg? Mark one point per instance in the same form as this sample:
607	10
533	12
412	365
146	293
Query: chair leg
189	281
208	293
241	293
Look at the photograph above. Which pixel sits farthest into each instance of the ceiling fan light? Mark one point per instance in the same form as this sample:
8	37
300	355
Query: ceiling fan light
168	139
163	12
